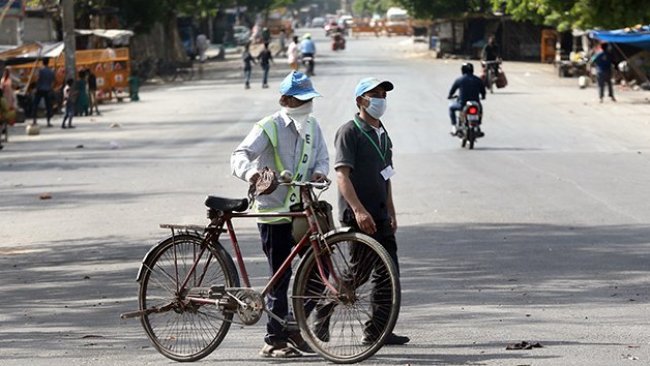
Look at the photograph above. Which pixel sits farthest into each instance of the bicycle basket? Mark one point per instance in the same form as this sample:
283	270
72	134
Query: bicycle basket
323	212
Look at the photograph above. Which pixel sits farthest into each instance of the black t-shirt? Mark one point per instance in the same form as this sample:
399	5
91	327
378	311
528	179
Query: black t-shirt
265	57
490	52
355	150
92	82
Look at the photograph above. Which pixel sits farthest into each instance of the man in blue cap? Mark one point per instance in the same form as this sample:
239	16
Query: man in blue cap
290	139
364	166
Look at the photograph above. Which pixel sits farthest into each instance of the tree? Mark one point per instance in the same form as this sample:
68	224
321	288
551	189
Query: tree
581	14
431	9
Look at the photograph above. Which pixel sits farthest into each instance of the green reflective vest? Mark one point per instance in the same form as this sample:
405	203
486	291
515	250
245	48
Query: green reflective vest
270	127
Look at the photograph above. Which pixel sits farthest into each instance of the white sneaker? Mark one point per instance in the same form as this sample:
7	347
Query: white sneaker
454	130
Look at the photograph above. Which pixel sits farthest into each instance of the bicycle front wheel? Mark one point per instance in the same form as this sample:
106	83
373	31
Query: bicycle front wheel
350	324
184	330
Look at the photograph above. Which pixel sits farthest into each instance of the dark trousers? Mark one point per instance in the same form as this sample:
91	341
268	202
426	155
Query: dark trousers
381	295
605	78
48	104
265	70
277	243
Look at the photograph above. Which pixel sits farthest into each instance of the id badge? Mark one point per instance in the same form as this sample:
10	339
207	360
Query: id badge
388	172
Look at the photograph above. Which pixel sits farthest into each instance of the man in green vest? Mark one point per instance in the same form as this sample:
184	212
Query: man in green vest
290	139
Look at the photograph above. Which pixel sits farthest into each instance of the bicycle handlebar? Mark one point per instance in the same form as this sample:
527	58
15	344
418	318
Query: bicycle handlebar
286	177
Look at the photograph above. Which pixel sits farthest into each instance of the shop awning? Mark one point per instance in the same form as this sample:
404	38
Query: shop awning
636	37
116	36
31	52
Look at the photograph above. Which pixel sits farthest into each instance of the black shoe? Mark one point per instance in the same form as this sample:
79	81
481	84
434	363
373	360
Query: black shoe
296	340
392	340
480	134
71	126
63	126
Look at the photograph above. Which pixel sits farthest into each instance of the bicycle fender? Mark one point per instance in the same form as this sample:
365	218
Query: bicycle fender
344	229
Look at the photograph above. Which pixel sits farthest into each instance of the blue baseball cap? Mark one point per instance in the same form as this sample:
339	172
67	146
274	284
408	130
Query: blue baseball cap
298	85
368	84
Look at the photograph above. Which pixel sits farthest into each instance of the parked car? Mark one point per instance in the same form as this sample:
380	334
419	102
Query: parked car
318	22
241	34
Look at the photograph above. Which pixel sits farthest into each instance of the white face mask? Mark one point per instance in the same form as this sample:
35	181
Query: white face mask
299	115
377	107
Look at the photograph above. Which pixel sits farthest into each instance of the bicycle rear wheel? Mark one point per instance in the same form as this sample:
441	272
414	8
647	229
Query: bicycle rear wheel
351	326
186	331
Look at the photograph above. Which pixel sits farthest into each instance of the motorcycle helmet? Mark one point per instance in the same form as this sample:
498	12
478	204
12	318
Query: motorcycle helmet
467	68
306	36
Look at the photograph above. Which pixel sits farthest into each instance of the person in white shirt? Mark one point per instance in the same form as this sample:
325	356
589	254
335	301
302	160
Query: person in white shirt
293	53
290	139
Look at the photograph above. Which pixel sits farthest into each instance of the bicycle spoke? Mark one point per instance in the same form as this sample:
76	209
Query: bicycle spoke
352	324
190	331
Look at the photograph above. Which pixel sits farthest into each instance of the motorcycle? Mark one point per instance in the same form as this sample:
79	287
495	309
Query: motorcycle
308	62
469	124
338	42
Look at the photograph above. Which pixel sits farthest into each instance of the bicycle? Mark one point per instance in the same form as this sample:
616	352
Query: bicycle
490	71
345	296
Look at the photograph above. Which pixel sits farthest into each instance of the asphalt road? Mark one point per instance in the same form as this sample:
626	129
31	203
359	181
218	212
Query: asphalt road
540	234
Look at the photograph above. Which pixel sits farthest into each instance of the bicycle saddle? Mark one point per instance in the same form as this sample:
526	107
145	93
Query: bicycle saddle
226	204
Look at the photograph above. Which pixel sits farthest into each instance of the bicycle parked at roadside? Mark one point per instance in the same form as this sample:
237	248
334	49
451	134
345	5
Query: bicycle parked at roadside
345	296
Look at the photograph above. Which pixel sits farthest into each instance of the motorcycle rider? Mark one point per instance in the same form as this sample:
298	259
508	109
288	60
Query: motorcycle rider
469	88
308	49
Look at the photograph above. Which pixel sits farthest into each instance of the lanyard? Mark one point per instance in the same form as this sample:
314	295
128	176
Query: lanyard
382	155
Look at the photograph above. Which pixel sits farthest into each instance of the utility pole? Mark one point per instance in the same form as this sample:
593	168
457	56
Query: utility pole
69	38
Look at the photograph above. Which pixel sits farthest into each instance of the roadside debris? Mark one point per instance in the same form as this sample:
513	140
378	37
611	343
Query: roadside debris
45	196
523	345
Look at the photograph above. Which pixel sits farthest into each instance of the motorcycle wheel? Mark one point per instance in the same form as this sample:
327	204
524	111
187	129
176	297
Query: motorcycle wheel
471	138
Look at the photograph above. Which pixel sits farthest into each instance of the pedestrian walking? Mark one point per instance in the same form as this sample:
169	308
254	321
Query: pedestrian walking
8	88
289	139
364	167
92	92
603	62
293	53
44	90
282	40
4	118
265	58
81	87
69	100
202	44
248	60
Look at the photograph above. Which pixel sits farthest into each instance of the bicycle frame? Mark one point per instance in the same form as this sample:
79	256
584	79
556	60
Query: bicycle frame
313	236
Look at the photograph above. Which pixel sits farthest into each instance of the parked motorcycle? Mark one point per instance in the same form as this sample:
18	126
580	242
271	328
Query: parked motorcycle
469	124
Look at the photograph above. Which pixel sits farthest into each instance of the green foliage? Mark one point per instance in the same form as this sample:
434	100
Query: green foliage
582	14
431	9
